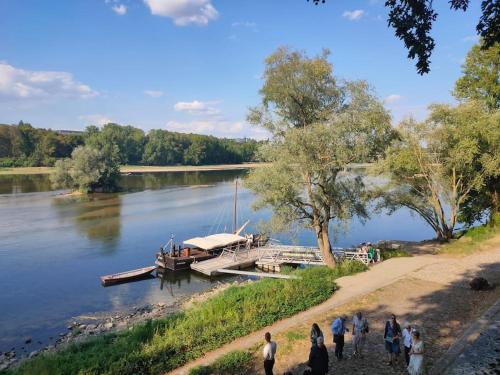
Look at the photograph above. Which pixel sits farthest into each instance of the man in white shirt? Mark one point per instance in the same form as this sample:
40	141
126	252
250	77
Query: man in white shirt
269	354
407	341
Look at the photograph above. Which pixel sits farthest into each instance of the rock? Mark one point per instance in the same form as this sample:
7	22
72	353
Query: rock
480	283
91	326
34	353
28	340
82	326
162	304
108	325
62	334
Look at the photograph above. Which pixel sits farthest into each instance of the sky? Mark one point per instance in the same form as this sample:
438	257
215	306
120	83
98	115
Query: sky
195	66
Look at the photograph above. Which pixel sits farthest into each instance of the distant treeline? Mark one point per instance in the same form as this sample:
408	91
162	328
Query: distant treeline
22	145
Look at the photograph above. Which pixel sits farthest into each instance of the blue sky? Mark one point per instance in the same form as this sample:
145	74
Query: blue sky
195	65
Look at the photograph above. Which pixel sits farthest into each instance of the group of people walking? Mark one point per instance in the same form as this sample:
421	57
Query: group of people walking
393	337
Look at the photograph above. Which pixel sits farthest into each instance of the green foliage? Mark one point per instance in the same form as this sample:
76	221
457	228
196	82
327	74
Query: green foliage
24	146
318	128
88	170
437	167
480	80
394	253
161	345
233	363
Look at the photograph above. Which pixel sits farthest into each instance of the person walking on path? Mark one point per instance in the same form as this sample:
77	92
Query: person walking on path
416	366
269	354
315	333
318	358
407	340
359	330
338	330
392	334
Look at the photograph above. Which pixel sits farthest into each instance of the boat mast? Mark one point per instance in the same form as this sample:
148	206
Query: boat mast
235	219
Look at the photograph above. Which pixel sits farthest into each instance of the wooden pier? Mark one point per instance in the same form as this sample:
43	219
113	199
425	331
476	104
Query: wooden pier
228	259
257	274
270	258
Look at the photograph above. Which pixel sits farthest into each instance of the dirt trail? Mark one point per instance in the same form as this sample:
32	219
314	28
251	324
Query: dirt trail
424	289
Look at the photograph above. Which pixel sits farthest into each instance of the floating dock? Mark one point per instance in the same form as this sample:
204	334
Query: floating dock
228	259
270	258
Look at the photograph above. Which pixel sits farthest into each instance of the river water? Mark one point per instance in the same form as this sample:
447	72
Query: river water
53	248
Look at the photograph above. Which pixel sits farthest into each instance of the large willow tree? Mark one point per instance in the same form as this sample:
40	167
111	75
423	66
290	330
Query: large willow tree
436	166
318	127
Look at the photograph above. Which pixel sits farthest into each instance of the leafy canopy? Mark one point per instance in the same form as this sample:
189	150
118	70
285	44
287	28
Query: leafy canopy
319	126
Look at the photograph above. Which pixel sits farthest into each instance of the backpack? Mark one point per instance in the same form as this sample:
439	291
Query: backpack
366	327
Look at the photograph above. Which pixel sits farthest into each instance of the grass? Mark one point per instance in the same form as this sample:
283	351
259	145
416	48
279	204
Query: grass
232	363
474	239
161	345
394	253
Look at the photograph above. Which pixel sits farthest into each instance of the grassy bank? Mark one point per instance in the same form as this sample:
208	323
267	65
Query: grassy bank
140	168
161	345
474	239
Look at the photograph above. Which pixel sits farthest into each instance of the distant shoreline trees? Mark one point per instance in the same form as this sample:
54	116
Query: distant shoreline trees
23	145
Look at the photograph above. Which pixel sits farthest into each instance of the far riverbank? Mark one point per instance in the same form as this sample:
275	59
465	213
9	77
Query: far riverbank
141	168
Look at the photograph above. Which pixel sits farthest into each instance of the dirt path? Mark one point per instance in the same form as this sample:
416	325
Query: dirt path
428	290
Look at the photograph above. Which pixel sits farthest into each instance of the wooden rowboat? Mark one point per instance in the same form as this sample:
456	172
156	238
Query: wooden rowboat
126	276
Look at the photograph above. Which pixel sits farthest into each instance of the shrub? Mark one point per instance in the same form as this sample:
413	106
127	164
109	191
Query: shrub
394	253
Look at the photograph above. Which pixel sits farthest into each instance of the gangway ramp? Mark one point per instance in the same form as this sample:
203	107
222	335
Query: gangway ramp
228	259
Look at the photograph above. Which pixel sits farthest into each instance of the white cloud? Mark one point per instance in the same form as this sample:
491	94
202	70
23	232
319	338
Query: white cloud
119	9
96	119
184	12
392	99
153	93
245	24
353	15
197	107
471	38
220	128
18	83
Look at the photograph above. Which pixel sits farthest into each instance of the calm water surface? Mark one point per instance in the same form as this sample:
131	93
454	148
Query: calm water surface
53	249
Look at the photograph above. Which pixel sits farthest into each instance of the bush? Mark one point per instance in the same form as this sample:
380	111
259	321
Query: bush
165	344
394	253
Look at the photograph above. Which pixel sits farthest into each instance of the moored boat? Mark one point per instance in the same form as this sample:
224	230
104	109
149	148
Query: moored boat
126	276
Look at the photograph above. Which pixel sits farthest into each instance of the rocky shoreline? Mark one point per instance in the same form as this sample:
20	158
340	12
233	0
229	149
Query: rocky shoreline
84	327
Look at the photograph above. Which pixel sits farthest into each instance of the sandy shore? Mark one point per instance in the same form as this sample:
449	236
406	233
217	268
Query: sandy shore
141	168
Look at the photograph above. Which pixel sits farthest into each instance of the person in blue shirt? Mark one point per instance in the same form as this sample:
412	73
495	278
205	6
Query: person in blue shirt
338	330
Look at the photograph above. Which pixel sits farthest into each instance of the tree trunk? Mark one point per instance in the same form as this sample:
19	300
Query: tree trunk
495	208
324	245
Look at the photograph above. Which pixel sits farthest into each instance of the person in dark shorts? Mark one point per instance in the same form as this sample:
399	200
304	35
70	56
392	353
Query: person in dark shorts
392	336
338	330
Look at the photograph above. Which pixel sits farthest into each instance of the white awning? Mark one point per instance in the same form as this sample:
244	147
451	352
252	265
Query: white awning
214	241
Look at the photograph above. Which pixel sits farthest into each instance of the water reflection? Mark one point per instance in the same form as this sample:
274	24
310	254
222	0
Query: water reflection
96	216
16	184
156	181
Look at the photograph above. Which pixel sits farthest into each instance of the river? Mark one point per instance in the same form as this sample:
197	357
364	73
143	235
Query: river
53	248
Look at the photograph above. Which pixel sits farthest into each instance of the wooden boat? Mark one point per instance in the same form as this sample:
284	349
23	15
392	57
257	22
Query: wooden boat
126	276
199	249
